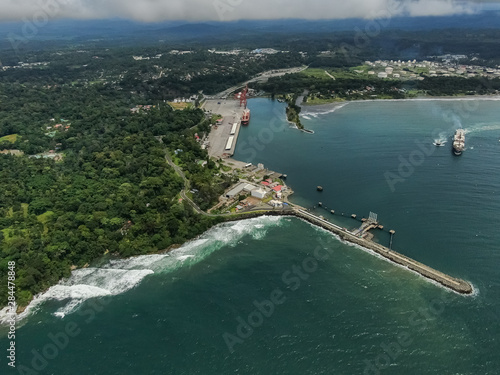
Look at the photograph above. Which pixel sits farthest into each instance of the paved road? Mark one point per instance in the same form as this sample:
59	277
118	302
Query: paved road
184	196
262	77
186	184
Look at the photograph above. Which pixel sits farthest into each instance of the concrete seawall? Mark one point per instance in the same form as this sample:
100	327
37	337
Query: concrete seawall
457	285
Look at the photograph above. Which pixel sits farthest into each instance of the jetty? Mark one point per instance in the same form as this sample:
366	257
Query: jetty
457	285
223	141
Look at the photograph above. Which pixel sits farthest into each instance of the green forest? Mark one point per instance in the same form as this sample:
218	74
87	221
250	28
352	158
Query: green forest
82	175
362	88
112	189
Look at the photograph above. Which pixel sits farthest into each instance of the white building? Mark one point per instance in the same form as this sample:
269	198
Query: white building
243	187
276	204
259	193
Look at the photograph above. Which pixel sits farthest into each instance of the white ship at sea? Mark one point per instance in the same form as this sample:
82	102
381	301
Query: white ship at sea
459	142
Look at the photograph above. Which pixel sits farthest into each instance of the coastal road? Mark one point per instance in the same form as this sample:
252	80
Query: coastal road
329	75
262	77
186	184
184	196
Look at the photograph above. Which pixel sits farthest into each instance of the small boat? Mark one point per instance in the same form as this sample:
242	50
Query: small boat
439	143
319	188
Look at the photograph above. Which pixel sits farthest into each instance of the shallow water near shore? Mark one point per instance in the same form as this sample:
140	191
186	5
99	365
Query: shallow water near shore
341	310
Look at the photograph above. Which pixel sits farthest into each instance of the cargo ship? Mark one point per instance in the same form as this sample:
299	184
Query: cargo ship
459	142
245	119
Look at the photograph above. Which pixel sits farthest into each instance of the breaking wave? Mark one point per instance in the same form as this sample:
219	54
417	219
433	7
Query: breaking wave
475	290
316	112
118	276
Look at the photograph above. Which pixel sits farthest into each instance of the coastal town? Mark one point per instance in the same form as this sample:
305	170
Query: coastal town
441	66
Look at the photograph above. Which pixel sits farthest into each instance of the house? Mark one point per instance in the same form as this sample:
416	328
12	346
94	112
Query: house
278	188
276	204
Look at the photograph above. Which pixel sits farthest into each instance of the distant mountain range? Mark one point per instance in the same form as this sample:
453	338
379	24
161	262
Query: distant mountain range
115	29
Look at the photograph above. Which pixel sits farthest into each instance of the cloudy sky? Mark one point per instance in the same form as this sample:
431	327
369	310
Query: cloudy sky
228	10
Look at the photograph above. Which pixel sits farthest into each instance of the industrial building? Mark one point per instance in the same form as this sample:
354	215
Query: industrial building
243	187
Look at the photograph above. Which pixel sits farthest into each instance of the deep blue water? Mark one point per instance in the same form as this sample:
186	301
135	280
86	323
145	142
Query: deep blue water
338	309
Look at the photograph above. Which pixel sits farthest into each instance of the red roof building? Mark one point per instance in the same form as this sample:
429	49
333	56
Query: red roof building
278	188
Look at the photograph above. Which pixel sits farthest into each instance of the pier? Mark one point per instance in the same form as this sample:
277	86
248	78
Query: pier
457	285
223	137
223	141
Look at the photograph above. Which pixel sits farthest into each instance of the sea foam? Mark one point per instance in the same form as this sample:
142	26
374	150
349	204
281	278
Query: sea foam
316	112
119	276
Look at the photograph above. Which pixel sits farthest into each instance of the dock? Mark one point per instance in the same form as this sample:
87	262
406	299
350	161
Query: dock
454	284
457	285
223	140
223	137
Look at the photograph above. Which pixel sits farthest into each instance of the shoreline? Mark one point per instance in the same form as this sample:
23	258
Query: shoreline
430	274
335	105
25	310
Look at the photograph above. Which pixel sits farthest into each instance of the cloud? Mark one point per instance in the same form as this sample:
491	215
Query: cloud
440	7
228	10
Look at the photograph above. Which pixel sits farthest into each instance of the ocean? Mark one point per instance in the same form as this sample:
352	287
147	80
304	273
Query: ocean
278	296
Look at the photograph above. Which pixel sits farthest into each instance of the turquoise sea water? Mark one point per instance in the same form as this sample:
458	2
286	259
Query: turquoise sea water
278	296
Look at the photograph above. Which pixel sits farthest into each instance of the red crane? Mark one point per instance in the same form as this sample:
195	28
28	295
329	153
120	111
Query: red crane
242	96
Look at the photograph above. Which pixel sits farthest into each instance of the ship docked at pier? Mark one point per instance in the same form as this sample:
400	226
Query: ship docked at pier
245	119
459	142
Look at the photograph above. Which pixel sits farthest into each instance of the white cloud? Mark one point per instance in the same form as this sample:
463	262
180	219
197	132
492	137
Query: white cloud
227	10
440	7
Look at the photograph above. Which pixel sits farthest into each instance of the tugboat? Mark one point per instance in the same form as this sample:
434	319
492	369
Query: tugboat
459	142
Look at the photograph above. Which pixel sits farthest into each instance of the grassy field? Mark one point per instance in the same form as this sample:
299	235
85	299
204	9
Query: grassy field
179	106
44	218
316	73
10	234
9	138
339	73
